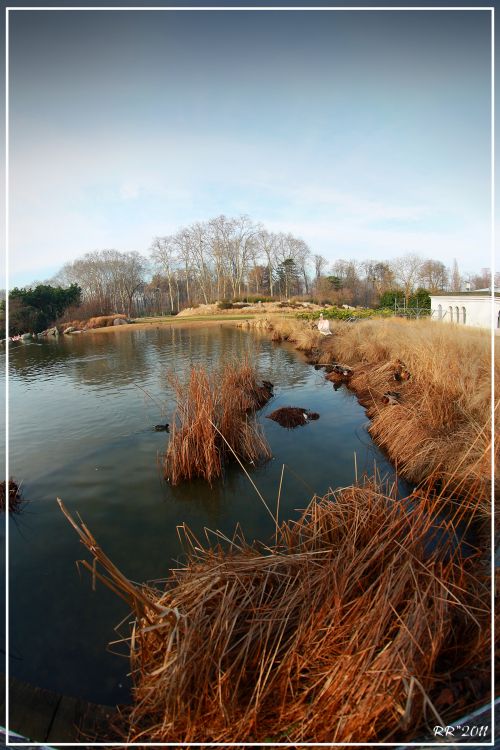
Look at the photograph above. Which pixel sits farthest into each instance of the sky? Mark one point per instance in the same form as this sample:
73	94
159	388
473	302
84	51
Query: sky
365	133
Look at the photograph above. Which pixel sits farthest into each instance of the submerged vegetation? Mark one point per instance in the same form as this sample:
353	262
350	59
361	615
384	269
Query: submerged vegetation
214	422
439	424
11	498
354	625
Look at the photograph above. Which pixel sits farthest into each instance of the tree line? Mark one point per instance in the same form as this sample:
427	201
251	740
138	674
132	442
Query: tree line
220	259
34	309
236	258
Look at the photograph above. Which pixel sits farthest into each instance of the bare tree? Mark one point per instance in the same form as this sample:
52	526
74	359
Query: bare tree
433	275
406	271
185	255
198	238
345	279
378	275
455	278
320	264
288	247
267	246
257	277
164	256
482	280
108	279
132	270
300	253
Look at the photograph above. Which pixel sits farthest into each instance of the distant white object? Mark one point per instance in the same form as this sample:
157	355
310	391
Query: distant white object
324	326
478	308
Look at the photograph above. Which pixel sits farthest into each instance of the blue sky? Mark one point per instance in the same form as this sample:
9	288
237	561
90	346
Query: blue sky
365	133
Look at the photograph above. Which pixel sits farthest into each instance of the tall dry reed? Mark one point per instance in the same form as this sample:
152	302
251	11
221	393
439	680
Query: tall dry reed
442	424
350	628
214	422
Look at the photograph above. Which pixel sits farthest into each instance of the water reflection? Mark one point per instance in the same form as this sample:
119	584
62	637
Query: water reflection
82	412
90	359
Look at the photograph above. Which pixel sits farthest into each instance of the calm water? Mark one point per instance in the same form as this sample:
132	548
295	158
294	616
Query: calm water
81	430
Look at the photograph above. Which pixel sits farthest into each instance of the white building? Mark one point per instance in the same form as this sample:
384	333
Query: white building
467	308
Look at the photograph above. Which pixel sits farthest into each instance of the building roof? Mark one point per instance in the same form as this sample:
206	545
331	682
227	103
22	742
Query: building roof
477	293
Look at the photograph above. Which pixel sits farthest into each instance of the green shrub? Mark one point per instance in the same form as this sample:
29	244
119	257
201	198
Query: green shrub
338	313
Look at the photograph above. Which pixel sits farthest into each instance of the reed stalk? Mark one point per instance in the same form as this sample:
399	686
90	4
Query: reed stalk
214	422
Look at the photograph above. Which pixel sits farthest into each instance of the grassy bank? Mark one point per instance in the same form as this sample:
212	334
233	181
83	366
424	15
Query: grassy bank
353	626
441	425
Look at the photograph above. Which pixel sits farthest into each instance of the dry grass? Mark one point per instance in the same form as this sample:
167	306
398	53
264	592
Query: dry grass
304	335
101	321
214	422
352	627
78	324
442	425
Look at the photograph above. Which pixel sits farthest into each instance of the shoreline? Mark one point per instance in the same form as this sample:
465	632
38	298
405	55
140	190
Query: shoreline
165	323
406	429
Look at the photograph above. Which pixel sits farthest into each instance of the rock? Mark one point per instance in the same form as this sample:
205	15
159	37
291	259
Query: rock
25	336
120	322
69	329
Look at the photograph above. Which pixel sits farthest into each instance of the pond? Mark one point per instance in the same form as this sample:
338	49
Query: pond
82	412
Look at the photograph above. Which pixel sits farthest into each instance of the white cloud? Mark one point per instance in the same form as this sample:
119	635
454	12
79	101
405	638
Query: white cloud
74	195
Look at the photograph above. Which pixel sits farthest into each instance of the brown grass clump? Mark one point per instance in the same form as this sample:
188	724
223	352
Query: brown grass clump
303	334
103	321
292	416
442	425
15	498
262	324
214	422
350	628
78	324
